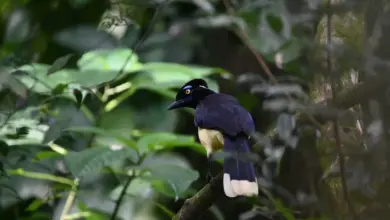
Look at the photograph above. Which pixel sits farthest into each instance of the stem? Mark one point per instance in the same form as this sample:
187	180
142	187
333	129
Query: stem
334	82
121	196
70	199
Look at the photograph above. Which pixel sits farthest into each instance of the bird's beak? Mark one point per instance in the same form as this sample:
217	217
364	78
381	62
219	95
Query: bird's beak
176	104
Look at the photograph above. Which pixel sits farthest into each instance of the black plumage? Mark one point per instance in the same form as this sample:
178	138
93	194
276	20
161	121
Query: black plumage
222	124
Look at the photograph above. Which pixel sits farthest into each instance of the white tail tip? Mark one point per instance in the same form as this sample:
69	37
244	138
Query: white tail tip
235	188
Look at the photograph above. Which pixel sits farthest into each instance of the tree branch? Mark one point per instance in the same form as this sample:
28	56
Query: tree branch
195	206
346	99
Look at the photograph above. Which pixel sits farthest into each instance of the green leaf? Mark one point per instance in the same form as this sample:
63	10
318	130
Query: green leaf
178	178
170	175
36	204
91	77
68	116
160	141
18	26
38	81
273	30
153	116
59	63
83	38
137	187
94	159
45	155
173	74
10	81
20	119
291	50
110	60
103	132
131	35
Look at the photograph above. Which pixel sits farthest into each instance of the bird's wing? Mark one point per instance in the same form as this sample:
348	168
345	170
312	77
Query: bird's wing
224	113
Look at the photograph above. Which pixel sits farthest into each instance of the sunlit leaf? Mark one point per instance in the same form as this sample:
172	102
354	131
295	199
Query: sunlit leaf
35	205
160	141
173	74
23	118
47	154
111	60
37	79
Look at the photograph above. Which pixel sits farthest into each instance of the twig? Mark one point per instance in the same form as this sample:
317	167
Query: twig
149	29
69	200
245	39
121	196
334	83
195	206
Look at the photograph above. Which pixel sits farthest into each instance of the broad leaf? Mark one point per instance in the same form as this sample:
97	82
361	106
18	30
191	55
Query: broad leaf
172	74
21	119
94	159
102	132
160	141
169	173
84	38
138	187
59	63
111	60
38	81
68	116
10	81
175	179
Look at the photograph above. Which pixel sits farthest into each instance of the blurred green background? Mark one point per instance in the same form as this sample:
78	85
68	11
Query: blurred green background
85	85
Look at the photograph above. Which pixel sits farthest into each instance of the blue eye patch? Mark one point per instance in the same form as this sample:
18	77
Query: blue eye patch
187	87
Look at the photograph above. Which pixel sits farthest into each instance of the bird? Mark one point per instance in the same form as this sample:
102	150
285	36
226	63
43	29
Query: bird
223	124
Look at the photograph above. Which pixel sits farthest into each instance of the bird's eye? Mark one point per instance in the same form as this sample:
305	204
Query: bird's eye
188	91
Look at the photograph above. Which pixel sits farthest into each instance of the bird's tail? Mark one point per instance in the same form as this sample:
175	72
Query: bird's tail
239	176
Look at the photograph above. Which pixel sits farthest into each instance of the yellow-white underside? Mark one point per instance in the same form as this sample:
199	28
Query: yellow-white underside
212	140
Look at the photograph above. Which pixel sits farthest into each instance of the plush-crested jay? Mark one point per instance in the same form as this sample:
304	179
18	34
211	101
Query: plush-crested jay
222	124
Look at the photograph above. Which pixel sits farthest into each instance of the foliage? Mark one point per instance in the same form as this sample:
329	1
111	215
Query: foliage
84	87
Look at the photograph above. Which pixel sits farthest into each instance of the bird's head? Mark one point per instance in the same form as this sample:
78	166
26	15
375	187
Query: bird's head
190	94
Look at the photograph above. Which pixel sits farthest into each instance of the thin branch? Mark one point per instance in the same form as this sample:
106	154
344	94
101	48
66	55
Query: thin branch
146	34
334	84
70	199
121	196
197	205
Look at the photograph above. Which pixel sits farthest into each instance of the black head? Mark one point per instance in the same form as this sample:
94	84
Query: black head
190	94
